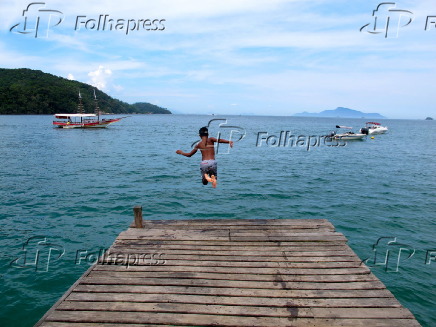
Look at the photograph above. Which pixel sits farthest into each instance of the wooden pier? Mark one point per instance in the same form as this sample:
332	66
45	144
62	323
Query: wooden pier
223	272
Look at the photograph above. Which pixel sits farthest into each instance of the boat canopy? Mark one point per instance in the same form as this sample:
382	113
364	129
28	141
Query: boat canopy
372	122
67	116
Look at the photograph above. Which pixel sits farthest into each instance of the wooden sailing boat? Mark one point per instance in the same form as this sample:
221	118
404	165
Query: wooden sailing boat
82	120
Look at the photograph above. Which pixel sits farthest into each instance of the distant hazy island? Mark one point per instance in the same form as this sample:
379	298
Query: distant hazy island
429	118
341	112
27	91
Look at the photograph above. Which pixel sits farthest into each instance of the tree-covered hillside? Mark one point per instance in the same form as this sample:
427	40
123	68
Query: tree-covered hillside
144	107
27	91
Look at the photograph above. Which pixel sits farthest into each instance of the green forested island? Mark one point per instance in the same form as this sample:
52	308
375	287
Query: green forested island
27	91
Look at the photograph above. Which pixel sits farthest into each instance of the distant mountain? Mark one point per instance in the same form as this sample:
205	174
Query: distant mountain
27	91
341	112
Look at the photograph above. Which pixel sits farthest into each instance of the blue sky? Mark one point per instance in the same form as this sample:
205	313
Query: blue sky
264	57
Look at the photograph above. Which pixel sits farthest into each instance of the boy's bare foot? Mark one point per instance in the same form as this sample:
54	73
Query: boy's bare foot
211	179
208	178
214	181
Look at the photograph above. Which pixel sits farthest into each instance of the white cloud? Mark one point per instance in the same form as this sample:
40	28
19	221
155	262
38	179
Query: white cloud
71	77
101	78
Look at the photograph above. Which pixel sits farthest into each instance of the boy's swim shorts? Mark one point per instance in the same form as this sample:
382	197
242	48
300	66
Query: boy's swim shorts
208	167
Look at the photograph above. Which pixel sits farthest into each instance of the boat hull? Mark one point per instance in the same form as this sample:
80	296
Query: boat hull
375	131
94	124
373	128
349	137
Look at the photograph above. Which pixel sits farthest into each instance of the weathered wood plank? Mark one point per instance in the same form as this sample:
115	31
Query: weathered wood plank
390	302
277	257
212	309
157	234
240	263
278	284
279	238
279	293
229	243
234	246
220	235
241	310
240	222
204	233
295	323
283	232
363	270
295	228
212	320
353	313
121	271
248	253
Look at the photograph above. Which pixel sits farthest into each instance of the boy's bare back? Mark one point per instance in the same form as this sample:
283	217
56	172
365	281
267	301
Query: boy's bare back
206	146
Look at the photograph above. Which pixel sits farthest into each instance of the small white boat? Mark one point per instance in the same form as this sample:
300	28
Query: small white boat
373	128
347	136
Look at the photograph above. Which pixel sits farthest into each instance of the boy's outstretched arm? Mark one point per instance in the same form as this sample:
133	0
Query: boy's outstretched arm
222	141
187	154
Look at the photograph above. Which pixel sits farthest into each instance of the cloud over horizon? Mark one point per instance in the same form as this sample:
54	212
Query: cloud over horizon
100	78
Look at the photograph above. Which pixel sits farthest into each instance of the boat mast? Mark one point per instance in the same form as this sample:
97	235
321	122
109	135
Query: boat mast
80	105
97	109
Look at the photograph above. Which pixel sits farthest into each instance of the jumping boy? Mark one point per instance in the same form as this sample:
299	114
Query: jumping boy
208	165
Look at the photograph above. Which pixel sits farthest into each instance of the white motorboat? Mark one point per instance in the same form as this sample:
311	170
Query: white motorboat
346	136
373	128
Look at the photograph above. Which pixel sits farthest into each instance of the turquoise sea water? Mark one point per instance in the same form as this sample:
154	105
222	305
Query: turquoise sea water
73	191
